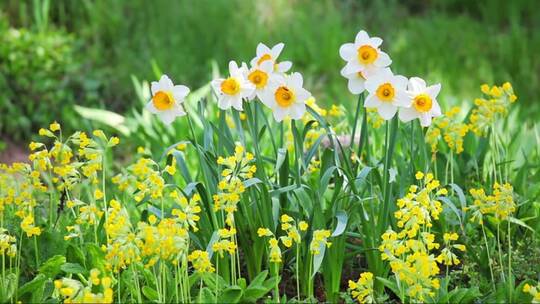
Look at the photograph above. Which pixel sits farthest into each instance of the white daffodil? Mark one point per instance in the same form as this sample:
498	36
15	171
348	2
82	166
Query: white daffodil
230	91
264	53
260	76
423	100
357	80
167	99
286	97
387	92
364	54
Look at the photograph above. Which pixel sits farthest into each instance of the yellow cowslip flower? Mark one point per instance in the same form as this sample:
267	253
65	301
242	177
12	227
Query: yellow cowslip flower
8	244
275	252
362	290
264	232
320	238
410	249
98	194
447	257
113	141
488	110
450	129
534	291
500	204
97	290
54	126
201	261
303	226
171	169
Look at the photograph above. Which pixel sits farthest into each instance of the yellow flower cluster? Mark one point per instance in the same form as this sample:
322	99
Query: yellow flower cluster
166	241
273	244
288	224
487	110
447	257
237	168
121	248
146	177
187	215
226	242
450	128
292	230
8	244
201	261
500	204
362	290
97	290
409	251
319	240
534	291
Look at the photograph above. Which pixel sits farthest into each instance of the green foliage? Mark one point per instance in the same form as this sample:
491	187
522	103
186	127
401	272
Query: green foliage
37	73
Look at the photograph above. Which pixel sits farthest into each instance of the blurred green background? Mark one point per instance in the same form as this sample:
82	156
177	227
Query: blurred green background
54	54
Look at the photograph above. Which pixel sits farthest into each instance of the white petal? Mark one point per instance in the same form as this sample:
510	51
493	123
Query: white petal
216	85
268	66
262	49
295	80
237	103
433	90
180	92
416	85
167	116
151	108
297	110
276	50
284	66
353	66
436	109
178	110
233	68
407	114
387	110
425	119
267	98
224	102
155	87
280	113
400	82
371	101
375	42
372	84
383	60
166	83
356	85
402	99
347	51
302	94
361	38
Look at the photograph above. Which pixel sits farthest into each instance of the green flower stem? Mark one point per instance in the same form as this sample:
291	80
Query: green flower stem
36	249
488	256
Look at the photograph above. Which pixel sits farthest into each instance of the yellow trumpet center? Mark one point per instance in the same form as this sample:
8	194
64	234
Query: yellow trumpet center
422	103
163	100
367	54
264	58
230	86
284	97
386	92
258	78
